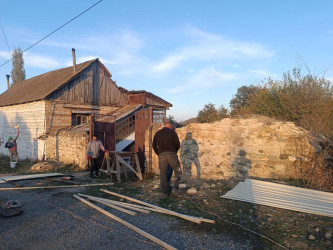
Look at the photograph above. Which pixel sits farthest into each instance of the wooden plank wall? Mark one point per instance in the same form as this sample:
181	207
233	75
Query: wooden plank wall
57	116
109	92
31	118
92	86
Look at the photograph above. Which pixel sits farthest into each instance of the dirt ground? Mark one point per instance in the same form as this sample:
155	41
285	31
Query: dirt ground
53	219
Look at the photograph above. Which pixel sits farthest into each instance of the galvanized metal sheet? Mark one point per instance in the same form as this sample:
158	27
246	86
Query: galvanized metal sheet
283	196
3	179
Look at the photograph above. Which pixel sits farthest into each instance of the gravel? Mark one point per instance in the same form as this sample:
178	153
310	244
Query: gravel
54	219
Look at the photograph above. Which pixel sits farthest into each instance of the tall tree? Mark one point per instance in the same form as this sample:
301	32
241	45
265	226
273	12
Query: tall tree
18	71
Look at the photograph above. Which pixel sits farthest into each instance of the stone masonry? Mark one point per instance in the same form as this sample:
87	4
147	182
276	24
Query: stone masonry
68	147
255	146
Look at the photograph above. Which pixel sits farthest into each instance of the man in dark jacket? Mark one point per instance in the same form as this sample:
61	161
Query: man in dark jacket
166	145
12	146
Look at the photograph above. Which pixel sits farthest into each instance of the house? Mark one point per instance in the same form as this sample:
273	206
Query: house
59	111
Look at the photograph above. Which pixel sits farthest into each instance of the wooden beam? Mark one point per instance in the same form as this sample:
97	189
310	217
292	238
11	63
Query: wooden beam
12	183
160	209
114	207
63	181
120	204
125	223
129	166
137	163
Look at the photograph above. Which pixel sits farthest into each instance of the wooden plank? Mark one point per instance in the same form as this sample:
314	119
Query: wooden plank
114	206
129	166
106	202
50	187
118	169
125	223
163	210
137	163
62	181
12	183
121	204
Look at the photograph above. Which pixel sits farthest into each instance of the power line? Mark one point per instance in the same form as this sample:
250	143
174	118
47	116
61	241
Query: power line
55	31
3	32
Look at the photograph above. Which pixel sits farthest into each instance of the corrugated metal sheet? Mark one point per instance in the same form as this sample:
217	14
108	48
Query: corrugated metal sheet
3	179
283	196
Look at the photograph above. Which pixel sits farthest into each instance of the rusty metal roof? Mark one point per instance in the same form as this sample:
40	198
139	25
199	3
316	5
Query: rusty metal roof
39	87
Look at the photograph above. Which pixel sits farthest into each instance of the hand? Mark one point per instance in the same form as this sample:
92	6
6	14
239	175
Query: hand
88	157
18	131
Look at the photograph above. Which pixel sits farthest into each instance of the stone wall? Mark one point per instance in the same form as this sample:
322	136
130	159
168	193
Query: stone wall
67	147
256	146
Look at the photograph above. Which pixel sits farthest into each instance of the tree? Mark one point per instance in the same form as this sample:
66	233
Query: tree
242	98
306	100
210	114
18	71
174	122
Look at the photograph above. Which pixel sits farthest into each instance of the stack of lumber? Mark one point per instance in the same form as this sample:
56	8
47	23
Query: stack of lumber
130	208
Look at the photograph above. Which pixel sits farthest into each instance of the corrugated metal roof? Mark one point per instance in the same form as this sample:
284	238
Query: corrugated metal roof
283	196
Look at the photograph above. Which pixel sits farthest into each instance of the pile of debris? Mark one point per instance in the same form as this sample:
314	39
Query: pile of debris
45	166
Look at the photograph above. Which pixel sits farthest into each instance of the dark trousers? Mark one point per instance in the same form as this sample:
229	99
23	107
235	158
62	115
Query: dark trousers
170	170
93	166
166	159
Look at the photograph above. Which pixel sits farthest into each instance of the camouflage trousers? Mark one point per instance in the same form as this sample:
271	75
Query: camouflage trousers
166	159
13	154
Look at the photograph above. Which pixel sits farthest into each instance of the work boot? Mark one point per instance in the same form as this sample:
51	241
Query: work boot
97	174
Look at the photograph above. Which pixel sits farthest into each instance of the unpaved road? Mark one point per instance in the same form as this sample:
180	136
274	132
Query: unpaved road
53	219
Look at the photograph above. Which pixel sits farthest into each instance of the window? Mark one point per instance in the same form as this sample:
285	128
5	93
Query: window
78	119
159	116
125	127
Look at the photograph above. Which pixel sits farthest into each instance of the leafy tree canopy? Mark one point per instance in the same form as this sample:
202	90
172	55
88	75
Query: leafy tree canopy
210	114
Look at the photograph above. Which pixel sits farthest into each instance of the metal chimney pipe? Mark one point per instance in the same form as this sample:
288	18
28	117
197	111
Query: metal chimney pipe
74	61
8	76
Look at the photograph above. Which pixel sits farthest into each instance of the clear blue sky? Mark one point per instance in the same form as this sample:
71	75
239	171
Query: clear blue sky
188	52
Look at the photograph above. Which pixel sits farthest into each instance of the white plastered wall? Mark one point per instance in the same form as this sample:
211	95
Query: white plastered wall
31	118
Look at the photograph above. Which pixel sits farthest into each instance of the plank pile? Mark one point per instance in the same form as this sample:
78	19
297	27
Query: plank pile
130	208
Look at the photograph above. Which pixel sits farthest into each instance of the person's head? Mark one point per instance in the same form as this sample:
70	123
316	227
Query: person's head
189	136
9	138
95	137
169	125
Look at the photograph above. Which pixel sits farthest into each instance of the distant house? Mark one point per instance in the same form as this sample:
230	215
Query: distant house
55	112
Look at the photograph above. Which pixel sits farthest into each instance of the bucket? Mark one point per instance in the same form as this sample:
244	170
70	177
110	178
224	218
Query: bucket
13	164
